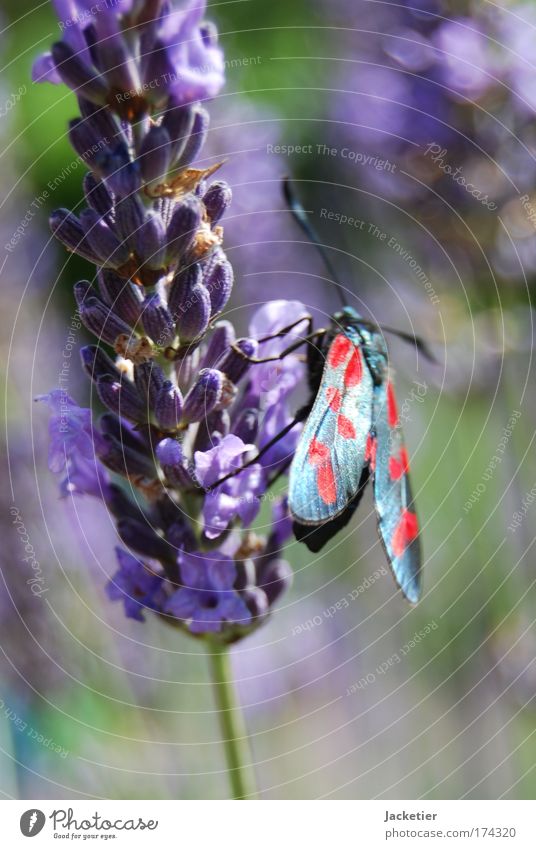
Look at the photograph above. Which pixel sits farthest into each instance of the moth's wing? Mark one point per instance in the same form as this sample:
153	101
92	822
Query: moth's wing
315	537
397	519
326	471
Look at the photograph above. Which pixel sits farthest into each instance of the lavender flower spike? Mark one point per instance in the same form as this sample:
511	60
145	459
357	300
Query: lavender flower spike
185	408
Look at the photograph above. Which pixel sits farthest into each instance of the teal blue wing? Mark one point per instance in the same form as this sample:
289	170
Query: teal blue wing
397	520
326	472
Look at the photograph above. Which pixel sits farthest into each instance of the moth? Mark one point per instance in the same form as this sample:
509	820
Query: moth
351	435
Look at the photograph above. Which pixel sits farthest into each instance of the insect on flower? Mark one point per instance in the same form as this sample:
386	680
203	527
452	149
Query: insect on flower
352	434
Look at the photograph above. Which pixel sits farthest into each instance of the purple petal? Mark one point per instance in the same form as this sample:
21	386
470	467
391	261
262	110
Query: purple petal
218	461
221	573
44	70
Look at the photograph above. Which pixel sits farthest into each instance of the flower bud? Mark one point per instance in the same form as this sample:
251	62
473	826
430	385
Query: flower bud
168	407
121	398
148	380
123	459
174	465
219	285
115	59
103	240
220	341
68	229
121	506
143	539
85	80
97	363
204	395
216	199
157	320
150	242
122	175
189	304
182	228
155	155
84	139
97	195
122	296
197	137
233	364
129	218
178	122
100	320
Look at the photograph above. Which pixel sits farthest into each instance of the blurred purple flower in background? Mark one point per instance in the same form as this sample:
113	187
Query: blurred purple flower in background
434	106
257	237
185	407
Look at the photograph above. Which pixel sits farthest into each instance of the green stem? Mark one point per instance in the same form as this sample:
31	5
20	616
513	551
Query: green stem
234	735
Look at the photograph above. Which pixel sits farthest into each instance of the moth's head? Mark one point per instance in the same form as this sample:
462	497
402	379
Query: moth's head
347	316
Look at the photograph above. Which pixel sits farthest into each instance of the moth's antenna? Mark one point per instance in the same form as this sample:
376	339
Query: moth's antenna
300	216
417	341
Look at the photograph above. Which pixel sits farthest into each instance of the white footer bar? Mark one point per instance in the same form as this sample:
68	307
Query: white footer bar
270	824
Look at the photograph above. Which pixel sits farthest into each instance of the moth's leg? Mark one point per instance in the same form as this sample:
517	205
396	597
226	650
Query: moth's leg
299	342
299	417
288	328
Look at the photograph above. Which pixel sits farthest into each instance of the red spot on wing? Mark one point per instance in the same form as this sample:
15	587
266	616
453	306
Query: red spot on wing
354	369
370	452
327	486
338	352
318	452
399	466
345	427
334	398
392	409
405	532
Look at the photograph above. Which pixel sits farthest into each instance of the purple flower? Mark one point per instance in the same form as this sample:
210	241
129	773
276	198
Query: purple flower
185	54
207	600
237	496
72	447
467	63
169	53
212	465
136	586
270	383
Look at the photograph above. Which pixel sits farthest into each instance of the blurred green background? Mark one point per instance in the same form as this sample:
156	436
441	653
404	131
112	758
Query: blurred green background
343	705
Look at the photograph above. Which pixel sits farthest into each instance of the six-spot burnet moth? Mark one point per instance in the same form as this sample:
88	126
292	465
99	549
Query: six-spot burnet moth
352	434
